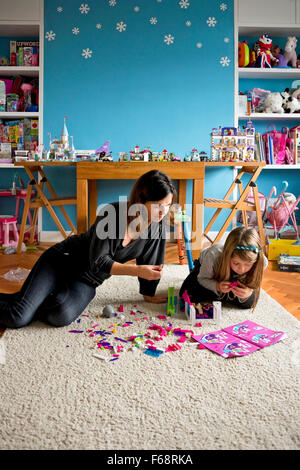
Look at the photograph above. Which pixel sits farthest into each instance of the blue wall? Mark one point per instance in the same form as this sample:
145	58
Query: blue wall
135	88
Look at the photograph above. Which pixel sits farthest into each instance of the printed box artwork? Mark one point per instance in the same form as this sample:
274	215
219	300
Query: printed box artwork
239	340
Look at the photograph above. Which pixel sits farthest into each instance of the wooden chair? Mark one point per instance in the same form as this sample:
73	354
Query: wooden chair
240	205
41	200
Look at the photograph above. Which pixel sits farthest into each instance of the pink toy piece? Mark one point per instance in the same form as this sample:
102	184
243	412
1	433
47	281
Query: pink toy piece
7	221
173	347
233	284
182	339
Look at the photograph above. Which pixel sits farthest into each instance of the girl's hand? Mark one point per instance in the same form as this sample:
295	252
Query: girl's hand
223	287
149	272
241	291
156	299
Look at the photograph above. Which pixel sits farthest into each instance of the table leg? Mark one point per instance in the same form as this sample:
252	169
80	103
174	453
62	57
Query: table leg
197	217
92	200
82	205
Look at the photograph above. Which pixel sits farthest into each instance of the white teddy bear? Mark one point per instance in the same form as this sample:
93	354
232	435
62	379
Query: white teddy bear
273	103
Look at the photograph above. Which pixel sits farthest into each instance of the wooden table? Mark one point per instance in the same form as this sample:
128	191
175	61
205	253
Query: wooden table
89	172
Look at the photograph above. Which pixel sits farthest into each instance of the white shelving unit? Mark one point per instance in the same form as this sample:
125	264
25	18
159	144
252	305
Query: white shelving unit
24	20
21	20
279	19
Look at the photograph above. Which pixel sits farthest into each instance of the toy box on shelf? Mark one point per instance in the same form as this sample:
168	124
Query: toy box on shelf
289	263
233	143
283	247
20	134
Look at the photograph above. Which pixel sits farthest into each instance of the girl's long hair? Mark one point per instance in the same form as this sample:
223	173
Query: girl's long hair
243	236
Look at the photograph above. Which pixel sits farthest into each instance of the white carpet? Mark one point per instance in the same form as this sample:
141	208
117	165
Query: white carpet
56	395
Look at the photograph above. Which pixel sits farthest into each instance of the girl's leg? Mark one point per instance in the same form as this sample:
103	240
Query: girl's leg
196	292
17	310
64	305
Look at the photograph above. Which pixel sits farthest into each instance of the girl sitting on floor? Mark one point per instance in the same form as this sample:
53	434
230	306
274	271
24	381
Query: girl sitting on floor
231	273
64	279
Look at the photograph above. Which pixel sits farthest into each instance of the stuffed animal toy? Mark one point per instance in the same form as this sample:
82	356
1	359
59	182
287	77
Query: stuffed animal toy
264	54
290	51
291	105
273	103
277	52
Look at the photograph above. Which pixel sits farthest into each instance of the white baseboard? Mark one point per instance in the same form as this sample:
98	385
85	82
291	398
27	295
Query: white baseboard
51	236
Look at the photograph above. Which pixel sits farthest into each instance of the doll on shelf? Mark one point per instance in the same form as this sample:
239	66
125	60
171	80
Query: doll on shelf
264	55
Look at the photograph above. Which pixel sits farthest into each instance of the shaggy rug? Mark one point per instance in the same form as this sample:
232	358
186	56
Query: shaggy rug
56	394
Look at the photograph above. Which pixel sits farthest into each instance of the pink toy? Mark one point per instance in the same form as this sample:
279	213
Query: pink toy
233	284
290	51
283	210
5	222
25	101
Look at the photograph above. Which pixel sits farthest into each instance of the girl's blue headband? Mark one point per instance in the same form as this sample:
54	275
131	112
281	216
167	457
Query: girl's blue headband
249	248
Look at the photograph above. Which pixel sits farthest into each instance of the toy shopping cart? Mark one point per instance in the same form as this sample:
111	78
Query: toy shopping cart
281	214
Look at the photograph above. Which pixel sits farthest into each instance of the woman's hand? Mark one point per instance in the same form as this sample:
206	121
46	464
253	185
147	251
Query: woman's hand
241	291
149	272
156	299
223	287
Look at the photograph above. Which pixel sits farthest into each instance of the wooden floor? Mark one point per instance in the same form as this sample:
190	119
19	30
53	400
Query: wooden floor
283	287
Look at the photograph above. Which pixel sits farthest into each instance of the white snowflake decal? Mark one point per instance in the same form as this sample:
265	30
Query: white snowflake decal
223	6
98	26
50	35
226	39
169	39
136	9
84	8
199	45
75	31
87	53
211	21
112	3
184	3
153	20
121	26
188	23
59	9
225	61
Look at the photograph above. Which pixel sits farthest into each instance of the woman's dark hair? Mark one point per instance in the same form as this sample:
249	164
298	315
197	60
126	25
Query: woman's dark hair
152	186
